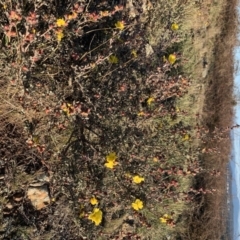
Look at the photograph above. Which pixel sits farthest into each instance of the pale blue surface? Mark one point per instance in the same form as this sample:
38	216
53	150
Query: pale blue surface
235	156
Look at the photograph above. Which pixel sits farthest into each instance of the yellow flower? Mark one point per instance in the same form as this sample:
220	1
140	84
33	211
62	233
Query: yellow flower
174	27
81	213
134	53
60	35
141	114
67	108
111	157
104	13
111	160
35	139
96	216
137	179
61	22
72	16
186	137
110	164
172	58
137	205
120	25
165	218
93	201
150	100
113	59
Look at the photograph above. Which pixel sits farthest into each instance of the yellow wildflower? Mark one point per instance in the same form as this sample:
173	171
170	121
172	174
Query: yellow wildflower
150	100
163	220
113	59
93	201
134	53
166	218
141	114
137	205
36	139
155	159
60	36
186	137
110	164
120	25
111	157
174	27
67	108
72	16
104	13
111	160
137	179
172	58
61	22
96	216
81	213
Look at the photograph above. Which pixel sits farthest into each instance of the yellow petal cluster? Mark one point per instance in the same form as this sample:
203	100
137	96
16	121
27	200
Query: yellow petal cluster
120	25
67	108
61	22
134	53
111	157
174	27
72	16
186	137
172	58
141	114
113	59
111	160
137	179
60	36
93	201
150	100
96	216
137	205
166	218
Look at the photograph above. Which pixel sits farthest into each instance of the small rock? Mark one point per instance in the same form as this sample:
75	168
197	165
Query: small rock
39	196
205	72
149	50
17	197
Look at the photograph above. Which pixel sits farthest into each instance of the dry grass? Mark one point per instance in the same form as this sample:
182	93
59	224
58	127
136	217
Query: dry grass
64	113
211	219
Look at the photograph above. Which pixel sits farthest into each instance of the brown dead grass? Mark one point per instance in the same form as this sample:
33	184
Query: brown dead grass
211	216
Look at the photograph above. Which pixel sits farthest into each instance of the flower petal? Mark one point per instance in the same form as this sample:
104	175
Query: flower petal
96	216
93	201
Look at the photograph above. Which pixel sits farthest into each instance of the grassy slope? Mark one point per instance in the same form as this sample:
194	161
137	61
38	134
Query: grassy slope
208	98
177	130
